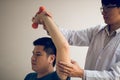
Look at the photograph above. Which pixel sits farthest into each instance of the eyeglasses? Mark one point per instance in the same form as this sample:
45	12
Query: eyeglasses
107	8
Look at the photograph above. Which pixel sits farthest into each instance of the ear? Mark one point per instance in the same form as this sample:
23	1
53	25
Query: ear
51	59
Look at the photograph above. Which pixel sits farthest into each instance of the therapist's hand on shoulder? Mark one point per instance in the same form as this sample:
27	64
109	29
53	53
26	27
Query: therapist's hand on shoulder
70	70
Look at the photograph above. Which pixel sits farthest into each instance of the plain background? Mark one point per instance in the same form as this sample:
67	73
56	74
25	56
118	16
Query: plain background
17	35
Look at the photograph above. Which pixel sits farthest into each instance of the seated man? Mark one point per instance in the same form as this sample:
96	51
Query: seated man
43	60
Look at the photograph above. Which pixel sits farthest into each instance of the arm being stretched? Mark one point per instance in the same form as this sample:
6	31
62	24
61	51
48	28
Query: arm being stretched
59	40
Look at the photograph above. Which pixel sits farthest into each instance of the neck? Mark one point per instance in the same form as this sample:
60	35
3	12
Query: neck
50	70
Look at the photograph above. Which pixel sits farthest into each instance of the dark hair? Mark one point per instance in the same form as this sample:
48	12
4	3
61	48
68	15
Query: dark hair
48	44
111	2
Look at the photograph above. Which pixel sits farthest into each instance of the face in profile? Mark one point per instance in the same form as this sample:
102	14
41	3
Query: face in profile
111	15
40	60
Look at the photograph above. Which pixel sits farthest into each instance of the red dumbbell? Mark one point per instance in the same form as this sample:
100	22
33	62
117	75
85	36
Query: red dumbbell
35	25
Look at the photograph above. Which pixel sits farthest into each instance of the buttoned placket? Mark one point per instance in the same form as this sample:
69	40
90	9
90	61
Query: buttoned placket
106	43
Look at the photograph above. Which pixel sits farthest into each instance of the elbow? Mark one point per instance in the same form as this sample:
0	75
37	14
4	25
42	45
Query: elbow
66	46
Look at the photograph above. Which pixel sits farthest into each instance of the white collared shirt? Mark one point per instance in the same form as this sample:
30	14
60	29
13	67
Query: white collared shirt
103	57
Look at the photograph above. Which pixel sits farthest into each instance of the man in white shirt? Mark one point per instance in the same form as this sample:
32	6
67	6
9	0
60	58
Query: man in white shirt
103	57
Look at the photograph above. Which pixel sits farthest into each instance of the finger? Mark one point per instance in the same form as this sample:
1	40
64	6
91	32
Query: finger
48	14
37	19
65	72
64	69
60	67
62	63
34	20
72	61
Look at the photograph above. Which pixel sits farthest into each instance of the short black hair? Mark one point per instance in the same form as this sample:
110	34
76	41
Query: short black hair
111	2
48	44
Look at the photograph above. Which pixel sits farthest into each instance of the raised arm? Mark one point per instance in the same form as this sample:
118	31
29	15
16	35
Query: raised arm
59	40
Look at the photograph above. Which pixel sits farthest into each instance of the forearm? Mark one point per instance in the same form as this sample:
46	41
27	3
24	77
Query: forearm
100	75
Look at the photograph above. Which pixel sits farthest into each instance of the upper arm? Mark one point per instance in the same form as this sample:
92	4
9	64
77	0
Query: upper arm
80	37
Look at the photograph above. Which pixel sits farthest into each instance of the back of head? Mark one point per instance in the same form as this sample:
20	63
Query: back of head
111	2
48	44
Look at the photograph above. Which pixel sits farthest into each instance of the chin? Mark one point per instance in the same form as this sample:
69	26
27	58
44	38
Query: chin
108	22
34	69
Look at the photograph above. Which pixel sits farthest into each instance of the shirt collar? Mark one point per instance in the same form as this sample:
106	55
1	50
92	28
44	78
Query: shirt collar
107	29
118	30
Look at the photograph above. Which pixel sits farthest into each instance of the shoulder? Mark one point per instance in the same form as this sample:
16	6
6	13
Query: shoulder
30	76
92	31
97	28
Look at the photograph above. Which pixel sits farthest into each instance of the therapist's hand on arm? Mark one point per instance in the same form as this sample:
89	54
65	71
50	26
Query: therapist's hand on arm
71	70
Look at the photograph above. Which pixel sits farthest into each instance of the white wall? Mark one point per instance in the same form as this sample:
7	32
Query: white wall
16	34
